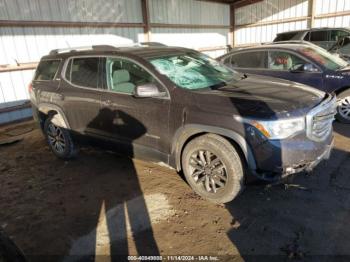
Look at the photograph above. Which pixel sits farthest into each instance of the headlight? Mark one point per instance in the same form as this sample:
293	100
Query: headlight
277	129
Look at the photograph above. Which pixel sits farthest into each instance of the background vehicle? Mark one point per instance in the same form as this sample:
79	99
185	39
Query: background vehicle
323	37
185	109
299	62
342	48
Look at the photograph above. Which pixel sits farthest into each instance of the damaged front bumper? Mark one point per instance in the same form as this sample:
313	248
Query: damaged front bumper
292	157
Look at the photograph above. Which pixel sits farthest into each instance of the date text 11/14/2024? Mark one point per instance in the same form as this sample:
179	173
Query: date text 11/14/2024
173	258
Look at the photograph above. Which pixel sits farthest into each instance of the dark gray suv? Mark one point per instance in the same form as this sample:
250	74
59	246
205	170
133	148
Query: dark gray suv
180	107
324	37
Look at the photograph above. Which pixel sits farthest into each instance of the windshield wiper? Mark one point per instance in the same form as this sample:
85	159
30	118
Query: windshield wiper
244	76
218	85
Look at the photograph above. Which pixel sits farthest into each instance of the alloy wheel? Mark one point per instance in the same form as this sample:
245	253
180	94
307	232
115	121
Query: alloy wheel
56	138
208	170
344	107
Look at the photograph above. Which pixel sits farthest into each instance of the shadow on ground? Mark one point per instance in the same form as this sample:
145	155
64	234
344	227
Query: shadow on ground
304	219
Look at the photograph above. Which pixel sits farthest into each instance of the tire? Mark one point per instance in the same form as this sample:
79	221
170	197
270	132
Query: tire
343	108
221	180
59	140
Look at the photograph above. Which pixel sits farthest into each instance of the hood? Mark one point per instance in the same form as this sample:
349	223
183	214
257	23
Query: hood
261	97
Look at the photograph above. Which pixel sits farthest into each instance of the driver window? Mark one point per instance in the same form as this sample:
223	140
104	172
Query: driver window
280	60
123	75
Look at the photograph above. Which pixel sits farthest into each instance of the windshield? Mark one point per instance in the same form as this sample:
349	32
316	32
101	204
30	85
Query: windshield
194	71
321	56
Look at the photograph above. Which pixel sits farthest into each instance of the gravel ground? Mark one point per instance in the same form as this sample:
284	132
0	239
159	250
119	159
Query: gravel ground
102	203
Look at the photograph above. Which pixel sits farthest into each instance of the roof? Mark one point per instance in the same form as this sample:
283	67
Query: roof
290	46
141	51
314	29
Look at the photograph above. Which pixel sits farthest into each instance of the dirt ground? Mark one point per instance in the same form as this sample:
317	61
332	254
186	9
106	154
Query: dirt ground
102	203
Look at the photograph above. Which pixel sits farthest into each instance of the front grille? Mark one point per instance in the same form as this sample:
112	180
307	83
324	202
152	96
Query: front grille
319	120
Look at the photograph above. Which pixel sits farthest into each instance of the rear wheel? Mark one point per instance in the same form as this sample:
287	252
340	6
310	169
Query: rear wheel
59	140
343	109
213	168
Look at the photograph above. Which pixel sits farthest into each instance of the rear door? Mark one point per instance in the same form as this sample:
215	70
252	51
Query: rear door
137	123
249	62
80	92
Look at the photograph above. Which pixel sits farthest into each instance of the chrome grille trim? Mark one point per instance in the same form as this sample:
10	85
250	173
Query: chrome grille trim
320	119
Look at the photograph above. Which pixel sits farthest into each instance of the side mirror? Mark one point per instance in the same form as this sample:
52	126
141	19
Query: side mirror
302	68
147	90
309	68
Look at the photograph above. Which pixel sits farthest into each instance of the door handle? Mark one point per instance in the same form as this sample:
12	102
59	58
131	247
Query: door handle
60	96
107	102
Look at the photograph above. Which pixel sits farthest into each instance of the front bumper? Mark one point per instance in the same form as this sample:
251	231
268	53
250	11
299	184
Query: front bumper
278	159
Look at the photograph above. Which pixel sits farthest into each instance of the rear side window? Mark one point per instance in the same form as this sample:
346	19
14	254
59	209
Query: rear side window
319	36
249	60
47	70
285	36
83	71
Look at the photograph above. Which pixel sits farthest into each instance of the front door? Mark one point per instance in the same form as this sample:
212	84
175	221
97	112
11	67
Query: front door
140	124
286	65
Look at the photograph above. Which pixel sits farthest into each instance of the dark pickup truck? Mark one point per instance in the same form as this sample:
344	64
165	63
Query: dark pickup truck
177	106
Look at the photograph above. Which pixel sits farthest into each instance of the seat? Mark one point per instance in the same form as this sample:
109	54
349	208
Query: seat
121	82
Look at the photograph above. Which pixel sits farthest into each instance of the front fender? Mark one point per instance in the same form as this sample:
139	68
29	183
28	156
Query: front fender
184	133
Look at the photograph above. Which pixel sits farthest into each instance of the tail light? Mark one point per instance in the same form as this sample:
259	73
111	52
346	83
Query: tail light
30	87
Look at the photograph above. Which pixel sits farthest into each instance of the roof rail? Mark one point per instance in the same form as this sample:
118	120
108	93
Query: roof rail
102	47
83	48
290	42
152	44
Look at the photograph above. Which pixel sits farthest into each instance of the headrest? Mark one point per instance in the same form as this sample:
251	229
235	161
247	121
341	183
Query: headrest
121	76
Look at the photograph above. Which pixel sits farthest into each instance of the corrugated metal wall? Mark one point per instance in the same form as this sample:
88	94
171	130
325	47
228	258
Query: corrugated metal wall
268	11
190	12
255	22
324	7
120	11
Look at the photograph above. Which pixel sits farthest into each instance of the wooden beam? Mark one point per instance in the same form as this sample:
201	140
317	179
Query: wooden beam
161	25
337	14
280	21
146	20
242	3
14	23
22	23
225	2
24	66
311	13
232	26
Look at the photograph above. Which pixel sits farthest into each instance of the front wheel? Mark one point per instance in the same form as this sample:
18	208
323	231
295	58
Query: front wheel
213	168
343	109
